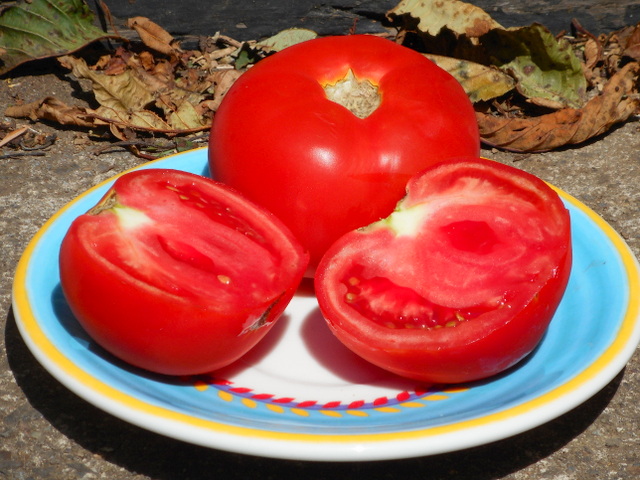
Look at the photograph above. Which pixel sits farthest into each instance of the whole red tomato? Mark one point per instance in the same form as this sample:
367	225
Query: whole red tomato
460	282
177	274
284	137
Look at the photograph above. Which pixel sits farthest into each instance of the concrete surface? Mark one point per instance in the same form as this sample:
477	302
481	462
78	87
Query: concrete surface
46	432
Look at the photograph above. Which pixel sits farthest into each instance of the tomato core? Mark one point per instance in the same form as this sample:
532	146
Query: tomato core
187	254
471	236
360	97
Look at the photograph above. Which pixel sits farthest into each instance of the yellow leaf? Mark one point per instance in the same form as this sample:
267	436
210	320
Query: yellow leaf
481	83
434	15
185	117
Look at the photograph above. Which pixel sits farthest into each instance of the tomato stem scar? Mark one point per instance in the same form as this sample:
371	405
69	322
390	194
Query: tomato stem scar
107	203
361	97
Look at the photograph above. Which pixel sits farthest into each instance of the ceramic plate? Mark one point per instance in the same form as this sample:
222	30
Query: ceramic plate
301	395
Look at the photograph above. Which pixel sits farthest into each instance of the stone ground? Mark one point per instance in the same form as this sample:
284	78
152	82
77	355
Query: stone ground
47	432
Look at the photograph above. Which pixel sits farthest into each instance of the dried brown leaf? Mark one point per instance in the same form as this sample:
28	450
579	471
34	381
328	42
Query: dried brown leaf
632	47
568	126
186	117
138	120
111	65
128	97
221	81
9	137
117	132
54	110
433	15
153	35
592	46
124	91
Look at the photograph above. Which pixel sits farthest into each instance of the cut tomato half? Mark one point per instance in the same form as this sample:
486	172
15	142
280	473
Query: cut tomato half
178	274
460	282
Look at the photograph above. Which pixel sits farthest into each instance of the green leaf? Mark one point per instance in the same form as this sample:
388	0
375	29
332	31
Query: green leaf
38	29
547	70
246	55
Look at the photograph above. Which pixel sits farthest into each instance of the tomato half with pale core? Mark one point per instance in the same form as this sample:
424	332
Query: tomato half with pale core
177	274
460	282
327	133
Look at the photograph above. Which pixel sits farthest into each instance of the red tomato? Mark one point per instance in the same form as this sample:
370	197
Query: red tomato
460	282
177	274
323	170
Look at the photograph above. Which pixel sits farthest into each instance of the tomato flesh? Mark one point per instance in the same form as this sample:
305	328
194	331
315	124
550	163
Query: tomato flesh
460	282
327	133
471	236
177	274
395	306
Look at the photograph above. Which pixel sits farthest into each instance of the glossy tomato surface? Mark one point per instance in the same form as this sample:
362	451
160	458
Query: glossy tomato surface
460	282
282	137
177	274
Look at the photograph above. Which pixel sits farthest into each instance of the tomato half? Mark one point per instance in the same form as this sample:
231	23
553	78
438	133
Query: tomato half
460	282
178	274
327	133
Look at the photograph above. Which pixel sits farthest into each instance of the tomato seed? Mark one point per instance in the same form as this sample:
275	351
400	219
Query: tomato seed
224	279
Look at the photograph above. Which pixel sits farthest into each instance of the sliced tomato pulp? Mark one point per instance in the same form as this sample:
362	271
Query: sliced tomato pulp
176	273
460	282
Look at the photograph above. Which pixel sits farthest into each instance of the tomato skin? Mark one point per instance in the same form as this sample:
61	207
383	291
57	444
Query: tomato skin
521	290
323	171
179	285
